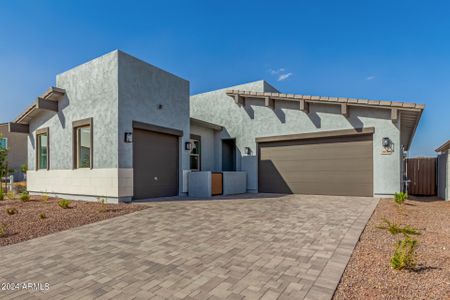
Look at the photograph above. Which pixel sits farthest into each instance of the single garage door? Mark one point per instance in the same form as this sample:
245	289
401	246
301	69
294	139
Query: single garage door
155	164
339	165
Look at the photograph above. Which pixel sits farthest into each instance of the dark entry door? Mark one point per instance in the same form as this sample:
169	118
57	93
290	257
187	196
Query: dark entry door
229	155
155	164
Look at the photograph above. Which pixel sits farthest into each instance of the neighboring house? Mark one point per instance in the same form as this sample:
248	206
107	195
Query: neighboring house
16	144
444	171
119	128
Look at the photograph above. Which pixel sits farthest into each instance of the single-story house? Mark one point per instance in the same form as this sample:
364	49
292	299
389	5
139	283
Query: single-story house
119	128
16	144
443	164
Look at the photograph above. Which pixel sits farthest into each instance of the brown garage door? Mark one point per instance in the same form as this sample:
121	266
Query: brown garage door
155	164
317	166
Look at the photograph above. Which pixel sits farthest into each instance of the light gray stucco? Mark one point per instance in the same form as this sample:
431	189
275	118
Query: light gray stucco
91	92
245	123
199	184
208	148
114	90
150	95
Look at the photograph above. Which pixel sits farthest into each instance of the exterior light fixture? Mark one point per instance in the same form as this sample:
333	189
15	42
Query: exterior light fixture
188	146
248	151
128	137
387	143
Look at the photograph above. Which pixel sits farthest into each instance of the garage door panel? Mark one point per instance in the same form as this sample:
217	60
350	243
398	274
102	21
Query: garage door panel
323	166
155	164
342	177
336	189
359	164
317	151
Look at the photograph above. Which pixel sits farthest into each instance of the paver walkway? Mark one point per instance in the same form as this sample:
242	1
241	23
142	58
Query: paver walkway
277	247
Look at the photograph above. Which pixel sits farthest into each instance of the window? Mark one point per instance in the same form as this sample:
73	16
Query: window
82	131
195	152
3	143
42	149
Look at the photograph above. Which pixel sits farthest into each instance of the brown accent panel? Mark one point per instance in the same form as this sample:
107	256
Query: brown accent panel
340	165
216	183
47	104
156	128
18	128
422	176
155	164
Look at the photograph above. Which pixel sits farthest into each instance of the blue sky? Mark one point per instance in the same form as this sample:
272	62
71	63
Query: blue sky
394	50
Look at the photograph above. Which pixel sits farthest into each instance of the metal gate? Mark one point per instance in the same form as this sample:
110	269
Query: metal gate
421	174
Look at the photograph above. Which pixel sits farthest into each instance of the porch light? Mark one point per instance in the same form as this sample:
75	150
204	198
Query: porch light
247	151
128	137
187	146
387	143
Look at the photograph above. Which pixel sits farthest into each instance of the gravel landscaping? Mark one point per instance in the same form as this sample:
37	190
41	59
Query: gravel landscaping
368	274
38	217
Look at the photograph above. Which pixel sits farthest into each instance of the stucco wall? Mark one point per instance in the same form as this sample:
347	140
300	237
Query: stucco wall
208	147
91	91
443	176
17	150
142	89
256	120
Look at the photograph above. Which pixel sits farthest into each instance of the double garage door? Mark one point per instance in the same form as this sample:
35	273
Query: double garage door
337	165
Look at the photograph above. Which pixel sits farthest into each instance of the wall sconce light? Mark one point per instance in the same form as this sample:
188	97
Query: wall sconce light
187	146
128	137
387	143
247	150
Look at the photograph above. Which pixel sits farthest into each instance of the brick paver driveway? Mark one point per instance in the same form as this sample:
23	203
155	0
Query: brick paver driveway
286	247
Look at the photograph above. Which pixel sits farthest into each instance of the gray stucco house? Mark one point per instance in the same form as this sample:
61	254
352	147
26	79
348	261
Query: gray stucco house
119	128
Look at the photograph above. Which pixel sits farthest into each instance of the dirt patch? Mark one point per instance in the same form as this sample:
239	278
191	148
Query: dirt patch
37	218
369	275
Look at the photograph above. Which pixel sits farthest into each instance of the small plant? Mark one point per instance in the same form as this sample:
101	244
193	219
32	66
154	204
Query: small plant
405	254
2	196
400	198
63	203
102	202
44	198
42	216
3	230
10	195
12	211
395	229
25	197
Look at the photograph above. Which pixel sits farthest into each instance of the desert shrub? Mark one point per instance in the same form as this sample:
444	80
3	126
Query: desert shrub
10	195
3	230
103	207
12	211
44	198
395	229
400	198
63	203
25	197
42	216
405	254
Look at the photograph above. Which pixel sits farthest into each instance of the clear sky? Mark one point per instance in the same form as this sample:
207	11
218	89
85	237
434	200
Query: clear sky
393	50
